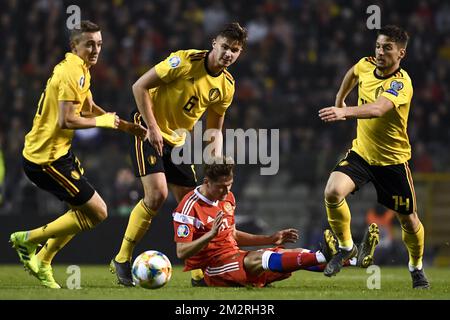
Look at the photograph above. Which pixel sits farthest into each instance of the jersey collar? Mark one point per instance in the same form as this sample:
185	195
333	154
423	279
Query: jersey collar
384	77
207	69
75	59
205	199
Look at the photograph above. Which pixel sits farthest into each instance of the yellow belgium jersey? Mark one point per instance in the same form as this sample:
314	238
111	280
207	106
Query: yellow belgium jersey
384	140
46	141
189	89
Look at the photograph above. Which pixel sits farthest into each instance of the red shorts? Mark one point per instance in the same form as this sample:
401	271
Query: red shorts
229	271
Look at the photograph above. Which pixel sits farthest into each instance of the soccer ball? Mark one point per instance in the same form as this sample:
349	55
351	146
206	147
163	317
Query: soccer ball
151	269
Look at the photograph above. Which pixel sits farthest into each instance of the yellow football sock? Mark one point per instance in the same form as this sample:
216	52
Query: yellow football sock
72	222
339	219
414	242
138	224
52	247
197	274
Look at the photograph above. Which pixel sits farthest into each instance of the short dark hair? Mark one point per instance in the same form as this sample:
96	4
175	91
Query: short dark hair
220	167
234	31
395	34
84	26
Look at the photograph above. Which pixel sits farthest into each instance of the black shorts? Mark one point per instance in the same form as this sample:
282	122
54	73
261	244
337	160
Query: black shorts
146	160
393	183
63	178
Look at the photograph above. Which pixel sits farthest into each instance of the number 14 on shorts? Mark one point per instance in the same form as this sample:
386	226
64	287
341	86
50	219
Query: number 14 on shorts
399	202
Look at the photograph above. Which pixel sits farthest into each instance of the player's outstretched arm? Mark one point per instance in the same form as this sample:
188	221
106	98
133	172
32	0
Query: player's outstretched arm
91	109
278	238
68	119
365	111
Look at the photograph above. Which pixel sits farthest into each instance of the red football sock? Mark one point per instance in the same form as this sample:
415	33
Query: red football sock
292	261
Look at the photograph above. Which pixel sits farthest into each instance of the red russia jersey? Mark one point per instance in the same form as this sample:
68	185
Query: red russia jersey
194	217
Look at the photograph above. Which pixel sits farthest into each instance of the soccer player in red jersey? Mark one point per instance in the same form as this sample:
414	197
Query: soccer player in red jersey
206	238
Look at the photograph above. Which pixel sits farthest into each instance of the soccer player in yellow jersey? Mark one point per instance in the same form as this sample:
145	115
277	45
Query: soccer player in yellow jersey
173	95
48	160
380	152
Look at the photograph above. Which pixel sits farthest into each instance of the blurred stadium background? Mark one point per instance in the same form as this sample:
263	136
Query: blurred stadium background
297	54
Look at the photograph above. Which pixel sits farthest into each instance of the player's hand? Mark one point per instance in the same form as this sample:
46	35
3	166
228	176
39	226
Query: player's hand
332	114
156	140
285	236
216	224
132	128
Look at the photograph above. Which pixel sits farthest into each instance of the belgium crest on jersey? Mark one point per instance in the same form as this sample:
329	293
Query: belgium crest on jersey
214	93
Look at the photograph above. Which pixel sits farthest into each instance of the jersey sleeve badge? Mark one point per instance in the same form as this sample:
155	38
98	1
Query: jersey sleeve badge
395	87
183	231
174	61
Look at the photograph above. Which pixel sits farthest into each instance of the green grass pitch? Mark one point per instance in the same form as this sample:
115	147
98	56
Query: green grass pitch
351	283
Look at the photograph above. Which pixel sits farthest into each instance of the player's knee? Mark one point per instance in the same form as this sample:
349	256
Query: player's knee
102	212
90	218
97	216
253	262
155	200
333	194
93	213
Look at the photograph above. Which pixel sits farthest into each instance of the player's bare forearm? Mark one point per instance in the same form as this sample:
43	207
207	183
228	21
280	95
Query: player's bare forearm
365	111
144	105
348	83
332	114
247	239
140	89
73	122
132	128
186	250
278	238
69	119
77	123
